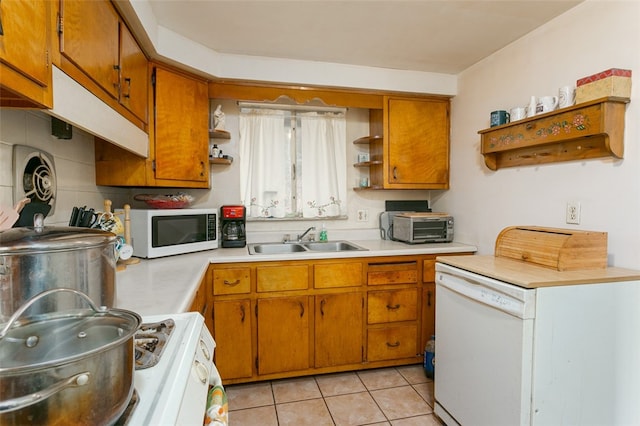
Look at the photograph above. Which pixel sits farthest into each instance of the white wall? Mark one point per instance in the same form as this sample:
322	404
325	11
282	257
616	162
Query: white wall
74	162
592	37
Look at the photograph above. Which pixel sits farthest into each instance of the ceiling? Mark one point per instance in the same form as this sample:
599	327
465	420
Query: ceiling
442	36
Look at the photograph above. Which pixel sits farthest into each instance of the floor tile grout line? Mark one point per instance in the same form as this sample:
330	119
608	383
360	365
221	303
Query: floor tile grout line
324	400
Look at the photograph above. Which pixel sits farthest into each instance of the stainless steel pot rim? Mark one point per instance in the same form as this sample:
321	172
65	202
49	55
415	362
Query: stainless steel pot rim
17	337
52	238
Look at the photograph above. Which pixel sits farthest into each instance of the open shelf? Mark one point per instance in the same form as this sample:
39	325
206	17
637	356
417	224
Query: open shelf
365	140
588	130
225	161
219	134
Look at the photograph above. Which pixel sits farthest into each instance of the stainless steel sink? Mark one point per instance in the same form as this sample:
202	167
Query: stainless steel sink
333	246
308	247
276	248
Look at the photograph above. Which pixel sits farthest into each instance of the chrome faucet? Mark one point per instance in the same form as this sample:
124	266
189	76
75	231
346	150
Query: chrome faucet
300	237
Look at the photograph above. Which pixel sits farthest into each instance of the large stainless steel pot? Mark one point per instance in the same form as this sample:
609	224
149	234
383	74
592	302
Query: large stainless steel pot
39	258
67	368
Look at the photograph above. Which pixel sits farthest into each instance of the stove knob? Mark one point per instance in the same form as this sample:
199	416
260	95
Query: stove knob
201	371
205	350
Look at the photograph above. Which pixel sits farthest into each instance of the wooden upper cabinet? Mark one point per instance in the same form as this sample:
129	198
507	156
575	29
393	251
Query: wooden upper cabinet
89	40
416	143
99	52
134	80
181	127
25	71
178	138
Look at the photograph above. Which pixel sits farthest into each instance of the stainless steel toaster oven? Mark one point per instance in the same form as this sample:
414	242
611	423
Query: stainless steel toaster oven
415	228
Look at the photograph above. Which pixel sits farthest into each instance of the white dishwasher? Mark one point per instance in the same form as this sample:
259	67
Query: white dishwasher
556	355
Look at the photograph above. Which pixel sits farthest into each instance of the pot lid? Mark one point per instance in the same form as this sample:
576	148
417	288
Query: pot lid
64	338
52	238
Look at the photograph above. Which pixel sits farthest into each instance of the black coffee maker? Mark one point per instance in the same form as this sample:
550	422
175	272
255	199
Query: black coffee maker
232	224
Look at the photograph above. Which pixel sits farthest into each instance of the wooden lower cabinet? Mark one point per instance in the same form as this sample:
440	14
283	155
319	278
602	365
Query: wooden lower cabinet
338	329
301	317
283	334
232	332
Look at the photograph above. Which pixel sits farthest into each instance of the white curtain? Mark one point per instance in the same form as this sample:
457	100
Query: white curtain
265	159
323	180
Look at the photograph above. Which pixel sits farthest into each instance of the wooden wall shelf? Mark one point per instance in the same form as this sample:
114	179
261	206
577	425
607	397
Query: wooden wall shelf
219	134
589	130
225	161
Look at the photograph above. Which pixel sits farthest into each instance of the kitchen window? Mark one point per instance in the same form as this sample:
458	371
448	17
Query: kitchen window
292	161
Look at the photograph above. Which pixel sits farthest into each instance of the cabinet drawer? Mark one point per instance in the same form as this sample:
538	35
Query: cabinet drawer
392	273
390	306
282	278
231	281
337	275
392	343
429	271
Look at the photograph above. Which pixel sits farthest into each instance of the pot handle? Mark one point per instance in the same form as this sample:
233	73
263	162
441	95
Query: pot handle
21	402
17	314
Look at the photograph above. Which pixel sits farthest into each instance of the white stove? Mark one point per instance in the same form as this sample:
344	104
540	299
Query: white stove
174	391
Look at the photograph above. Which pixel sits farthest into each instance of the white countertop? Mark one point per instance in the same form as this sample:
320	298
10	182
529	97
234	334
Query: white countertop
168	284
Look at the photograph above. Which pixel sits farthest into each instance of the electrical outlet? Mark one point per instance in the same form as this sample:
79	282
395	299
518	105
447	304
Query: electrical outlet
363	215
573	213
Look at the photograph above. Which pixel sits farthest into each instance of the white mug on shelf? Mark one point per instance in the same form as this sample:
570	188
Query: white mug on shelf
547	104
566	96
518	113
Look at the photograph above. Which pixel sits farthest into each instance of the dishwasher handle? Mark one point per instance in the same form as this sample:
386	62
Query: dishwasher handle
475	290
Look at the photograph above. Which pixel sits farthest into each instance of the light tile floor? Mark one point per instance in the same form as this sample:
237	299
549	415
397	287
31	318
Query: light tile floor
398	396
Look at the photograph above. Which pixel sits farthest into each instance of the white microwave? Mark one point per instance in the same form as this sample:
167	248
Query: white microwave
167	232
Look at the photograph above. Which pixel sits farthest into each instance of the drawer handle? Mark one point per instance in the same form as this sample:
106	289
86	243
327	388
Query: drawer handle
429	298
322	303
242	315
394	307
232	283
395	173
301	309
393	345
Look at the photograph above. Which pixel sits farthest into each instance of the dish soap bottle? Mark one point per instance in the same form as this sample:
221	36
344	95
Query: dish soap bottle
323	234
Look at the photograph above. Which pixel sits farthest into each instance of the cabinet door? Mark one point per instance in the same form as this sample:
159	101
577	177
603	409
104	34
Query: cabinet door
232	333
417	144
338	329
24	45
134	81
90	40
181	127
283	334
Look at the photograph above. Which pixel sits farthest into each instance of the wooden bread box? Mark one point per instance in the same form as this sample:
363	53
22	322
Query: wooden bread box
555	248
